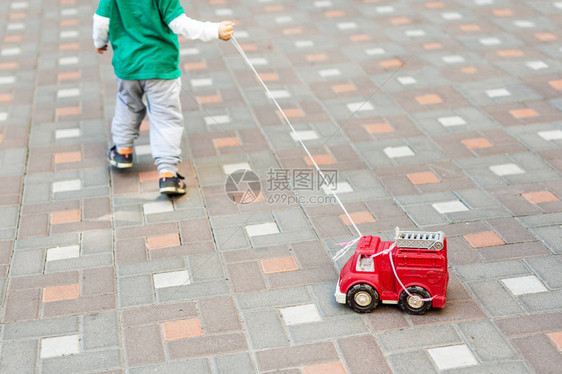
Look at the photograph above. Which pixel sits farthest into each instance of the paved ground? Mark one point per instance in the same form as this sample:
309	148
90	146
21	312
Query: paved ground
460	131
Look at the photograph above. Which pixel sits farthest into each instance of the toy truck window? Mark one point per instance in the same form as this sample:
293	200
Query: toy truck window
365	263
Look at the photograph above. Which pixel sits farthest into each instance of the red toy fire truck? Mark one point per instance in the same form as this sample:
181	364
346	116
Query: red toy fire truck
411	272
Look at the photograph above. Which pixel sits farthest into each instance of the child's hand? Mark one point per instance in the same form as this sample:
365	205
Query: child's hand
102	49
226	29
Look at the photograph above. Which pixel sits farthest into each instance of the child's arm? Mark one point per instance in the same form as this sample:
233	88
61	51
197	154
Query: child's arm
101	33
205	31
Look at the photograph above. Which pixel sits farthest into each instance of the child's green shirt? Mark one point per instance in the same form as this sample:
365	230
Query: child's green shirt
144	47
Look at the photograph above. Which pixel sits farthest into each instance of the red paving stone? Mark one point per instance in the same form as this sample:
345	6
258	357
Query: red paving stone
557	84
148	176
208	99
269	77
523	113
476	143
329	368
377	128
470	27
423	178
163	241
226	142
432	46
65	216
320	160
358	218
538	197
64	157
59	293
344	88
511	53
68	75
556	338
393	63
429	99
279	265
182	329
316	57
67	111
483	239
360	38
195	66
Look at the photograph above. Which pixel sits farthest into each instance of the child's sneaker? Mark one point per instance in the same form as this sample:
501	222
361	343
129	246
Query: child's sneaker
171	184
122	158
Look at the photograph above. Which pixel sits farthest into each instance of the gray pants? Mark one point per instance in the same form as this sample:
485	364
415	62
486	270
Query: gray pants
164	113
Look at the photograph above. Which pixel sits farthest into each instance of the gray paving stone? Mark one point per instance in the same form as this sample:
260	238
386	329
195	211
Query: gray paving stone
100	241
291	219
193	291
496	300
27	262
492	270
86	262
58	240
294	356
42	328
12	161
325	300
235	363
550	235
101	331
543	301
516	367
548	269
206	267
91	361
337	327
229	238
283	238
157	266
36	193
8	234
419	337
199	365
8	216
19	356
265	329
136	290
487	341
412	362
274	298
548	219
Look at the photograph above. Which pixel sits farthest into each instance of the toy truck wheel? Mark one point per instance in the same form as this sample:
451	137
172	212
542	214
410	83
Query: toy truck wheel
362	298
413	304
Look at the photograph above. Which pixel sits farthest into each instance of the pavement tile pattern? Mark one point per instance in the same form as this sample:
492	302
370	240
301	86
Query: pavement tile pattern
440	115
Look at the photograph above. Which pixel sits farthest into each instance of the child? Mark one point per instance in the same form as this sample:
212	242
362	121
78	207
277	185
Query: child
145	60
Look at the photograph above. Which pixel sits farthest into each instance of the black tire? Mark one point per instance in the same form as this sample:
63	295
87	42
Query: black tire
362	298
410	305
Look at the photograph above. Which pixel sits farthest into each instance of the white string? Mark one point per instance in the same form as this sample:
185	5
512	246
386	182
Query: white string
346	247
249	63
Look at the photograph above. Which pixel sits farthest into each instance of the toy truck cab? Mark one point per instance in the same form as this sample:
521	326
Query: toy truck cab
415	277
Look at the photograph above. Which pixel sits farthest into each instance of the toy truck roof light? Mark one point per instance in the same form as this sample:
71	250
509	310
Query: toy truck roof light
420	239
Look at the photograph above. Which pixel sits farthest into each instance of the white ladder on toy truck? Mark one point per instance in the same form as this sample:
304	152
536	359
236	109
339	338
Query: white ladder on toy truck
420	239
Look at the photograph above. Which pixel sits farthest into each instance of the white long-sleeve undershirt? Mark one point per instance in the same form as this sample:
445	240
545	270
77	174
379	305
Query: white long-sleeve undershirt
101	31
181	25
193	29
